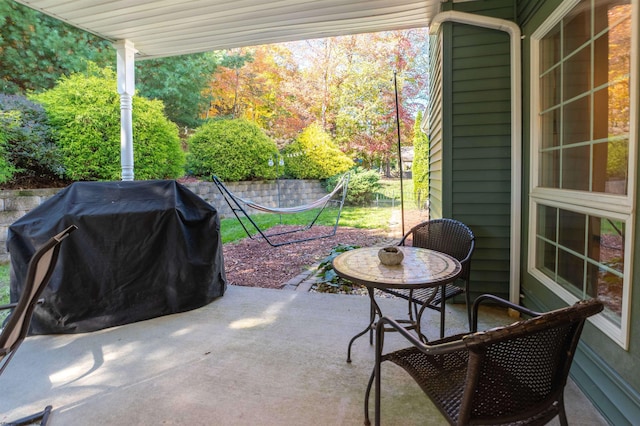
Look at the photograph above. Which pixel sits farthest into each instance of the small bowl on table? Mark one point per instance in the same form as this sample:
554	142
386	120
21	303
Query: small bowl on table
390	256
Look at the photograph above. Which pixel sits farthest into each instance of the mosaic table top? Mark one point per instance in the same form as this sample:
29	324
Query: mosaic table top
419	268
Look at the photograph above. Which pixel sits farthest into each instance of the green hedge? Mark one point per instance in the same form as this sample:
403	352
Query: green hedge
84	110
363	185
314	155
233	150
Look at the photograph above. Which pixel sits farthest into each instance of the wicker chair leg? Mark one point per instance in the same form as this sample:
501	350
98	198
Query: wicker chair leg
467	301
442	309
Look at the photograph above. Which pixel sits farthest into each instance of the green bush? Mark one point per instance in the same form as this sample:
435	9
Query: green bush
363	184
233	150
28	147
314	155
84	110
6	168
420	167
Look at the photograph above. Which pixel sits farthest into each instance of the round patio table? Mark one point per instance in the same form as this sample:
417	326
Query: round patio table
420	268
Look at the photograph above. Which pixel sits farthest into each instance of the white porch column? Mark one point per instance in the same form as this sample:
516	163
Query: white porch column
126	89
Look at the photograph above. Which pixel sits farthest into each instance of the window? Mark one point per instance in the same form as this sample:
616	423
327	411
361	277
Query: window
583	146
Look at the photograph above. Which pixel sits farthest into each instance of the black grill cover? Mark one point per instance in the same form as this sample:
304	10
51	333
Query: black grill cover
142	249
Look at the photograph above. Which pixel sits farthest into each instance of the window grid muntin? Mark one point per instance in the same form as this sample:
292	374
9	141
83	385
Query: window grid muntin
621	207
593	37
584	256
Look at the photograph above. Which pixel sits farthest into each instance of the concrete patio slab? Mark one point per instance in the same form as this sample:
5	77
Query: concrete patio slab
253	357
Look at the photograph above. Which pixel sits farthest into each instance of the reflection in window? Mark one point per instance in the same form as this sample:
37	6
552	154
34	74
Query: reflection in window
583	253
585	99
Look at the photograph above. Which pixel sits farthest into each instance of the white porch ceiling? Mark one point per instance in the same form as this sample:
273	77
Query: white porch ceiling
174	27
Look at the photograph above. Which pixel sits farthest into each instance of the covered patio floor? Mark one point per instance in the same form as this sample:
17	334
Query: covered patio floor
253	357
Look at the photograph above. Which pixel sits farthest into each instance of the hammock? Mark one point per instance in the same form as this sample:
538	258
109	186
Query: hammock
236	204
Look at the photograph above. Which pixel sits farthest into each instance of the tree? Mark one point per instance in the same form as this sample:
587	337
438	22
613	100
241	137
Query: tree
420	167
180	83
261	85
84	110
36	50
365	102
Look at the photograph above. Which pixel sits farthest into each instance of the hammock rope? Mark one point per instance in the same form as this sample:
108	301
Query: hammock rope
235	204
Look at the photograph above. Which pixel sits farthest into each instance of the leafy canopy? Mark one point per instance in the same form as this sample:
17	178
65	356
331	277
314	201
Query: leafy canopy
36	50
180	82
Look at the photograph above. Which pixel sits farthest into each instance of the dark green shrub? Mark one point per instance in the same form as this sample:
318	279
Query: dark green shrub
363	185
29	148
331	282
84	110
314	155
233	150
6	169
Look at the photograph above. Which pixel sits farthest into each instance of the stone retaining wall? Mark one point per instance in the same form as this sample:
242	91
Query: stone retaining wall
16	203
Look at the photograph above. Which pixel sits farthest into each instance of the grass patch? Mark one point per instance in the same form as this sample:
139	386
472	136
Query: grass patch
4	290
354	217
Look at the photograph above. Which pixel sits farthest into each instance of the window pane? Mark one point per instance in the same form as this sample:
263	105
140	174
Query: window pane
571	229
547	220
577	27
576	126
576	166
571	273
617	104
601	68
606	249
577	74
546	258
550	122
606	242
550	88
608	290
550	49
617	156
549	167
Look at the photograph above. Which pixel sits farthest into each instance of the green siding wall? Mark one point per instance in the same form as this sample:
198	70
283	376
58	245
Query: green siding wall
436	121
470	173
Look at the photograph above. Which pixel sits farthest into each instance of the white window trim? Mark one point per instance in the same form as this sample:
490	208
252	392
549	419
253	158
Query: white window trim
619	207
620	335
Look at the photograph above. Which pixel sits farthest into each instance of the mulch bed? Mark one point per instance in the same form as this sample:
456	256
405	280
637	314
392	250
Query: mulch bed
254	263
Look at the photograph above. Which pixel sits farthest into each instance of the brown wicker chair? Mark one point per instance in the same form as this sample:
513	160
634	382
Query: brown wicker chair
447	236
511	374
39	273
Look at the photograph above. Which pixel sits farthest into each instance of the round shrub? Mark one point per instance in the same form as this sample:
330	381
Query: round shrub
233	150
363	185
314	155
84	110
29	147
